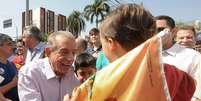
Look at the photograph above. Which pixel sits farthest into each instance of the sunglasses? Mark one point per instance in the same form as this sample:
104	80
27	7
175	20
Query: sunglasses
159	29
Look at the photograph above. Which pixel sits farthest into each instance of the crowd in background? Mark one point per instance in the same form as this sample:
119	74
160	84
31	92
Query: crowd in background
47	71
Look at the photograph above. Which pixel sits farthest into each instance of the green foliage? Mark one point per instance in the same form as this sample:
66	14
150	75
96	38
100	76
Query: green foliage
96	11
75	23
44	37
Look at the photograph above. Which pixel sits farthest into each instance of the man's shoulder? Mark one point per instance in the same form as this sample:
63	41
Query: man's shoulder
178	81
10	66
33	66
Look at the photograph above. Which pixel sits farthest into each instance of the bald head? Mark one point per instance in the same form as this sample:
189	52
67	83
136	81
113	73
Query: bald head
81	45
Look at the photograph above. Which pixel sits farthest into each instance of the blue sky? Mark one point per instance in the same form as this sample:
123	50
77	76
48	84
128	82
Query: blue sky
180	10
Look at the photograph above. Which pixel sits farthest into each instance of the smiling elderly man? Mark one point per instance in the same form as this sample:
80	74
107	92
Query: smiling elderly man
49	79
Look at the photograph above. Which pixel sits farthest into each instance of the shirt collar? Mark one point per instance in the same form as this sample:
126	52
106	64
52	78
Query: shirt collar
176	48
39	46
49	73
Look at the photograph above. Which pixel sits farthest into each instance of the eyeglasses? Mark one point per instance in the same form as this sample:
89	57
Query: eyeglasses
159	29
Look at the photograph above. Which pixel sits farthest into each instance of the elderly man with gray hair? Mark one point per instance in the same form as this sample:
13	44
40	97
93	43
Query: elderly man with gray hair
49	79
32	39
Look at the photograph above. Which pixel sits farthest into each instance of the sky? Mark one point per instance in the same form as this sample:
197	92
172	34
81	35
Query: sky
180	10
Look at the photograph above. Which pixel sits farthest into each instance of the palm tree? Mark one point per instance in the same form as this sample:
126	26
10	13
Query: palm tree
96	11
75	23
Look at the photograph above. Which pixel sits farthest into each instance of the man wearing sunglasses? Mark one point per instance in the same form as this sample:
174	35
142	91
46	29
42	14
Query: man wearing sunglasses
183	58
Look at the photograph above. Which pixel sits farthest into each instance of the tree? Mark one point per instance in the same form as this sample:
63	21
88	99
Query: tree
96	11
75	23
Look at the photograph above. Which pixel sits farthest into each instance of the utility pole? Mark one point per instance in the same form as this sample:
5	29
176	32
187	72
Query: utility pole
27	13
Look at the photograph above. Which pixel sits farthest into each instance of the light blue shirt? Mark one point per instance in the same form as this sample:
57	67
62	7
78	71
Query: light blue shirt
36	54
40	83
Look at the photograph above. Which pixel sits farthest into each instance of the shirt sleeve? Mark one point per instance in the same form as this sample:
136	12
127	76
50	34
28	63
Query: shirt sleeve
27	88
197	77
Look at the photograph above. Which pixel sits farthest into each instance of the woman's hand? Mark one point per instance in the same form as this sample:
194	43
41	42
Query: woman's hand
74	96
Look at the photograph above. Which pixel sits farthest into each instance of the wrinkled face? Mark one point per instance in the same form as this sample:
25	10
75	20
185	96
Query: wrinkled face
83	73
94	37
62	58
185	38
6	49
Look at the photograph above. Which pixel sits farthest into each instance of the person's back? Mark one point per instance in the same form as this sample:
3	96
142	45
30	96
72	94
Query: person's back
124	29
101	61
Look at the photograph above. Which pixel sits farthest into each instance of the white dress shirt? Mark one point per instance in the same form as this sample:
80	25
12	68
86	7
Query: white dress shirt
38	82
185	59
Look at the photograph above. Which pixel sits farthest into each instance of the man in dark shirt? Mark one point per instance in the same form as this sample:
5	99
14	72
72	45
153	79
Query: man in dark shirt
8	73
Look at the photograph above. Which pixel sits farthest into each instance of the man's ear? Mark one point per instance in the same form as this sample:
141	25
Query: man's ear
112	44
47	51
174	33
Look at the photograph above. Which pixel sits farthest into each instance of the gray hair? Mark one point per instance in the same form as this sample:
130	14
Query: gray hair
52	41
4	38
33	31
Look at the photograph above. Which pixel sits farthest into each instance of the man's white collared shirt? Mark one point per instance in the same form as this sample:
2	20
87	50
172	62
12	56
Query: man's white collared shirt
187	60
38	82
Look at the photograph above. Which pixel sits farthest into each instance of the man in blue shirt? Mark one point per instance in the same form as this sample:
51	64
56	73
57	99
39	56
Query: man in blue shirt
32	38
8	73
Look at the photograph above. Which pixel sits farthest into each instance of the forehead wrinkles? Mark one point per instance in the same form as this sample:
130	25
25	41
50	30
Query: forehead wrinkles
64	42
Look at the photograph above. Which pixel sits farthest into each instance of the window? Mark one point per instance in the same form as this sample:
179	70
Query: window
7	23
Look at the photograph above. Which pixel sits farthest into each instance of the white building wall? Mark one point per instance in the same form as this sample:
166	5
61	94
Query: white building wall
36	17
15	30
55	22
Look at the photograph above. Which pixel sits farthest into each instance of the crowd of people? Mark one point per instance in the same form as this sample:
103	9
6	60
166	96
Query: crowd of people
52	70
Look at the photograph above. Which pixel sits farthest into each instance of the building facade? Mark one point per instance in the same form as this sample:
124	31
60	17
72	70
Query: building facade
46	20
